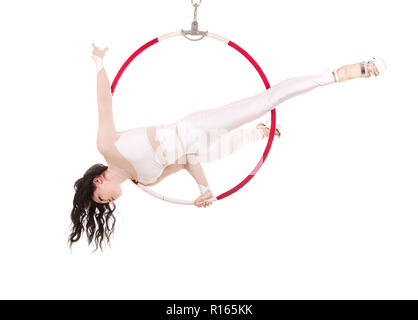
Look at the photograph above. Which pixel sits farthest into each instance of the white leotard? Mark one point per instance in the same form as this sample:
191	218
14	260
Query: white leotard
135	146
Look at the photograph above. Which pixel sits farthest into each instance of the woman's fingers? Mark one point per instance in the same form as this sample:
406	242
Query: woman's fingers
206	204
203	201
201	204
96	49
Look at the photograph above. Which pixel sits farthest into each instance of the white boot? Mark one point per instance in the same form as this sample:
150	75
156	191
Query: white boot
368	70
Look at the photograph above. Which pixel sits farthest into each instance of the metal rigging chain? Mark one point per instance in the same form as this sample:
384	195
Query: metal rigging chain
195	9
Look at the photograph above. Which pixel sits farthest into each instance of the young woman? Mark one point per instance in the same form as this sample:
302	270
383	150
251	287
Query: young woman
150	154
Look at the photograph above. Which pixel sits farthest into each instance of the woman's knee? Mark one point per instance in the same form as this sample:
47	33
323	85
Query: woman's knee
192	158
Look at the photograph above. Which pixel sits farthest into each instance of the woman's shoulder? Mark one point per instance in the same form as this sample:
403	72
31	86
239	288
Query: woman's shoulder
112	156
106	144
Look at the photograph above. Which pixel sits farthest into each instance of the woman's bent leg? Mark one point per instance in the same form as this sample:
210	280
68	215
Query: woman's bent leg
229	143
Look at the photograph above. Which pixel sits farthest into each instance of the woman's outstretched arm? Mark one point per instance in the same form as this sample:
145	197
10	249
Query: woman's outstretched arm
107	130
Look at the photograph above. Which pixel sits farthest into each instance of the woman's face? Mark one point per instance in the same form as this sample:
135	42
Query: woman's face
106	190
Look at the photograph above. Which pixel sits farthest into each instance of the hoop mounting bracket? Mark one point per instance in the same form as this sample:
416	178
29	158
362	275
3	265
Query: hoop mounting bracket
195	26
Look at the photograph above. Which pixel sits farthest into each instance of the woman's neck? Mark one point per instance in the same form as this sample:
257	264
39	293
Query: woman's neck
118	173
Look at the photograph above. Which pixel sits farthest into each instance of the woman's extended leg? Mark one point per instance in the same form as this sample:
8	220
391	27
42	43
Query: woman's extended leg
221	120
206	126
199	130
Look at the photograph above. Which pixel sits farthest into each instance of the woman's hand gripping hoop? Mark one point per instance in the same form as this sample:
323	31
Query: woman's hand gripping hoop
204	200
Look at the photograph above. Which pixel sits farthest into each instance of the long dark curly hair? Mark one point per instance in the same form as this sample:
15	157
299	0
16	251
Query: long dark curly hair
87	215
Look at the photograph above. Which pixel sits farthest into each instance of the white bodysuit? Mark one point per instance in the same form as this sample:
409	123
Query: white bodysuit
136	148
213	133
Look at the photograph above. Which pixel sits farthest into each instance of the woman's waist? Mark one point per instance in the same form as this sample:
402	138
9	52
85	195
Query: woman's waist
167	143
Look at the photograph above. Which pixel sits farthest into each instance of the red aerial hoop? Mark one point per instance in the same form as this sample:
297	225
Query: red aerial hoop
266	84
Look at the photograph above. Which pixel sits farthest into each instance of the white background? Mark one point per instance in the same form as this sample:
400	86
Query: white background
331	214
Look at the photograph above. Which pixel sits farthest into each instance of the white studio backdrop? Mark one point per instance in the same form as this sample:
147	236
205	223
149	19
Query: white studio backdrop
331	214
